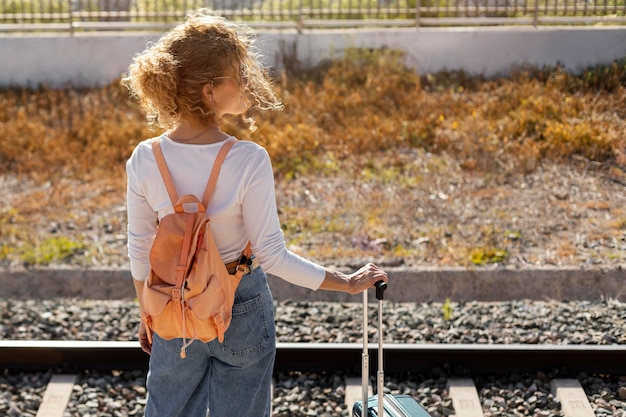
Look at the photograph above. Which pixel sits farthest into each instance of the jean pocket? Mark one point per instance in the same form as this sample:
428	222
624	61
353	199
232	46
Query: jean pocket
248	333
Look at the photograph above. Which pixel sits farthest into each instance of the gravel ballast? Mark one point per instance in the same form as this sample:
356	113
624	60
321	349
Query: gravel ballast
533	322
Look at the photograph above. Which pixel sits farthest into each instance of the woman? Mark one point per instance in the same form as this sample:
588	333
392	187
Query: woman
186	82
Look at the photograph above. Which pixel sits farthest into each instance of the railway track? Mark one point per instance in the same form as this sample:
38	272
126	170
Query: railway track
316	357
66	360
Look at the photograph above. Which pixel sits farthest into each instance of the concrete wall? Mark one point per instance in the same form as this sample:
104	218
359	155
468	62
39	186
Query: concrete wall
95	59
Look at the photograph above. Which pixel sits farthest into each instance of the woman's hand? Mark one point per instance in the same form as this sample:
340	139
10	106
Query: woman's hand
143	338
365	278
354	283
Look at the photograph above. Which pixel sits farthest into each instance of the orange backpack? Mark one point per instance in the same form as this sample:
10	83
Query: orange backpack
189	293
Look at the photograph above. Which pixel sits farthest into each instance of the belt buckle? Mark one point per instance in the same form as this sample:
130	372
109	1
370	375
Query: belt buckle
247	265
244	268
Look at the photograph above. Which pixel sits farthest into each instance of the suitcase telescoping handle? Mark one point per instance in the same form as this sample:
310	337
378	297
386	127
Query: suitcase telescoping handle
365	370
380	286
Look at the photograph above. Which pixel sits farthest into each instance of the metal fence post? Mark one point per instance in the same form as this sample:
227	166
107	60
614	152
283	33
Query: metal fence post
418	5
300	22
536	14
71	17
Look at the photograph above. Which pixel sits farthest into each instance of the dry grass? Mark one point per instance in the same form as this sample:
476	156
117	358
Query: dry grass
383	137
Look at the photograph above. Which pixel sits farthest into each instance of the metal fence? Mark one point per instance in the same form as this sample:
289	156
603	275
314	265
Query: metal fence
128	15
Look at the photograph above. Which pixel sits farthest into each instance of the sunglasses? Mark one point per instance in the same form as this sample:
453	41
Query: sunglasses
244	77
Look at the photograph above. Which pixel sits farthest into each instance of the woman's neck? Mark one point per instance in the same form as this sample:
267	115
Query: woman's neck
198	135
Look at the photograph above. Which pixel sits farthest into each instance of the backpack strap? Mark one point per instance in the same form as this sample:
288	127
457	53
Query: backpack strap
215	172
208	193
247	252
165	173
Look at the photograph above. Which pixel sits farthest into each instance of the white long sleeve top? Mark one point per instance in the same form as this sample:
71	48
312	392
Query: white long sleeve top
242	209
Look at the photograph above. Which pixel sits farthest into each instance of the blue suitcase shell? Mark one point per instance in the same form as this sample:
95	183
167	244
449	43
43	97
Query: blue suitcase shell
393	406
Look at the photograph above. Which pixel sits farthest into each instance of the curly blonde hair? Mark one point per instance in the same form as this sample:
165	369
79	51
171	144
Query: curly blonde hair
168	77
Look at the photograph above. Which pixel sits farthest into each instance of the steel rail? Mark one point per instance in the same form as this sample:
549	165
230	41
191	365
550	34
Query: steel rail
317	357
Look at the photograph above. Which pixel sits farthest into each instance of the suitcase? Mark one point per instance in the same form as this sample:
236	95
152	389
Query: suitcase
391	405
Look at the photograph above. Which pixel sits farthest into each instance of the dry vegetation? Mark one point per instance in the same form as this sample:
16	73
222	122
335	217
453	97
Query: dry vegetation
372	161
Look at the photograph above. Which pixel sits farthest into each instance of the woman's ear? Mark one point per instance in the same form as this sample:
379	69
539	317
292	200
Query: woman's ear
207	92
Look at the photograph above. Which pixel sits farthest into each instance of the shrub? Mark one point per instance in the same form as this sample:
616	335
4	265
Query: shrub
366	102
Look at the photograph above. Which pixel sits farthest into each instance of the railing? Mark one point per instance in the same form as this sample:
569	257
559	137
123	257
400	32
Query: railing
133	15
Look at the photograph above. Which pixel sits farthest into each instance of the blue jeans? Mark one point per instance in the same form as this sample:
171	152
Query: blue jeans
231	379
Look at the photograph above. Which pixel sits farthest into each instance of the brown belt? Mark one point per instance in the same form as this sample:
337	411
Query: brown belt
232	266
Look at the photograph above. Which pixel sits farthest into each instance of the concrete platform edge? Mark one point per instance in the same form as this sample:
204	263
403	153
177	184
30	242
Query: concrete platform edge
406	285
